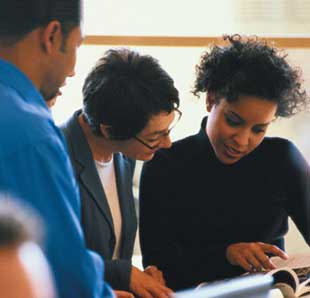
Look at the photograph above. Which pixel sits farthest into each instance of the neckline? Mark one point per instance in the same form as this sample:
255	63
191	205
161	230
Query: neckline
103	163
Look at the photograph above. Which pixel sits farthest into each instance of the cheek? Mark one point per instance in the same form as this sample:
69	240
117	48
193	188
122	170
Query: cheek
145	156
217	127
133	151
69	60
220	131
52	84
74	58
71	63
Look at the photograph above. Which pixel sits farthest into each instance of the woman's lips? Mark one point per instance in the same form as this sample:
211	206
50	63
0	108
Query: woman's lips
232	152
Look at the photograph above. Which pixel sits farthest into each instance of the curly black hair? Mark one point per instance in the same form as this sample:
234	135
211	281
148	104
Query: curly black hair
251	67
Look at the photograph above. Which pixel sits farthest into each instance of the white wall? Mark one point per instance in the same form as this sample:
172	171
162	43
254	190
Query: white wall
197	17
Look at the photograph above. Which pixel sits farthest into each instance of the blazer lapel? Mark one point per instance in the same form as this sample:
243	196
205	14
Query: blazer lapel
90	179
124	187
87	172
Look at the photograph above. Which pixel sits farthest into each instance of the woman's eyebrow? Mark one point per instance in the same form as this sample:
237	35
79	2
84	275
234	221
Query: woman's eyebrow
236	115
243	121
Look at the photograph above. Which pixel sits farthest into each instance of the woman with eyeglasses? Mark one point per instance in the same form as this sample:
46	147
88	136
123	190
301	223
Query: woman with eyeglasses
216	204
129	107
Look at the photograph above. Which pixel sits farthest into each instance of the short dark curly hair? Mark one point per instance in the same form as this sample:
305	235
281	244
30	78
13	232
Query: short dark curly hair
18	223
124	90
251	67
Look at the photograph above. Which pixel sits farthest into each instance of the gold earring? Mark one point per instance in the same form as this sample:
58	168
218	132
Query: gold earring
208	106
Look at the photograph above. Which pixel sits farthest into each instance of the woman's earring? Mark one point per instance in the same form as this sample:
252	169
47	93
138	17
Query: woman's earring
208	107
104	129
210	100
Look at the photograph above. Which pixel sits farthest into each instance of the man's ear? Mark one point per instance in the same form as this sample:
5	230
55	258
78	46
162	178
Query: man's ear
210	101
52	37
105	131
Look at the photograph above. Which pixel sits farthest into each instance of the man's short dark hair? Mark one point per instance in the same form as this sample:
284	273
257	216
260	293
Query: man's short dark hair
18	224
124	90
20	17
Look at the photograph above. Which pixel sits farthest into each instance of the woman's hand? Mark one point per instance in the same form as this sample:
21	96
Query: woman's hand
155	273
123	294
252	256
143	285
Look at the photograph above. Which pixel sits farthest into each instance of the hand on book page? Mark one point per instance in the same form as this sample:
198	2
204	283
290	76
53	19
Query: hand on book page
294	261
253	256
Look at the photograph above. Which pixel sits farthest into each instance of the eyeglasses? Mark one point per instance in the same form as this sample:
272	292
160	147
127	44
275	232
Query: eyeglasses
163	135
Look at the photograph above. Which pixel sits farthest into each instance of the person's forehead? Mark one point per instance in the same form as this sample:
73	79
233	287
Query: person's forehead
252	108
158	123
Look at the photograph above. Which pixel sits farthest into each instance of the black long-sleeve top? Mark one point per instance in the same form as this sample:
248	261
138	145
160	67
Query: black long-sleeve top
192	206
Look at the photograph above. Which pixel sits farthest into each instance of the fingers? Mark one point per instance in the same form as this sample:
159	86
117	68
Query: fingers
156	274
253	256
123	294
254	263
161	292
154	292
274	250
145	286
263	260
244	263
144	294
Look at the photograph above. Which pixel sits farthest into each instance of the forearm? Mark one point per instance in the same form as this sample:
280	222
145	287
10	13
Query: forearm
186	266
117	274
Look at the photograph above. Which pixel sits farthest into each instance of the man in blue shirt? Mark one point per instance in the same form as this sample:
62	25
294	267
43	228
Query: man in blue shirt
38	43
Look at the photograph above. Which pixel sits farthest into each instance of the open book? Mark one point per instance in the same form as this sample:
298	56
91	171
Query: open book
292	277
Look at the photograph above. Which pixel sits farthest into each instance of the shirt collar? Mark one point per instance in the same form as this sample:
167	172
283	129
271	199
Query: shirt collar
202	135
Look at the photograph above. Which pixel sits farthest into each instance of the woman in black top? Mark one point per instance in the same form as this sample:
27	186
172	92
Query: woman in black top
217	203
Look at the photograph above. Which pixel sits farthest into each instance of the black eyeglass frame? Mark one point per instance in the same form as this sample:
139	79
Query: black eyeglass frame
163	135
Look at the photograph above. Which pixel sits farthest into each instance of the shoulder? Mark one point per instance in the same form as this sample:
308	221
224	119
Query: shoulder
276	142
181	152
28	129
67	127
74	136
281	152
279	147
38	163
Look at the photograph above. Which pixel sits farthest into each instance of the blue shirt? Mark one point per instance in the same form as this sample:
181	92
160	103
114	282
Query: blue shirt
35	168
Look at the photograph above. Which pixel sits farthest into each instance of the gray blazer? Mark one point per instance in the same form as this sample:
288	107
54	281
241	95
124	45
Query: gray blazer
96	217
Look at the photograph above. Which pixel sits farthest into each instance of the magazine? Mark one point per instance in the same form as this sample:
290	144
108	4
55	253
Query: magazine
292	276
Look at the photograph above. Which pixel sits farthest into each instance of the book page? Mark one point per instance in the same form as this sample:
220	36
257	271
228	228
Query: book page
303	274
294	261
291	284
286	290
304	288
275	293
285	276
